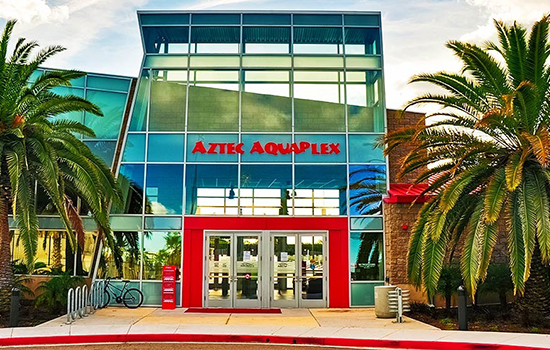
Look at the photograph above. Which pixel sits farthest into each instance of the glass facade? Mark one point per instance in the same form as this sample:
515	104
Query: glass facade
260	114
244	114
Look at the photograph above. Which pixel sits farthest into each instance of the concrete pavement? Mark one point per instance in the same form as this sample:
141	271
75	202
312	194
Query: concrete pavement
330	326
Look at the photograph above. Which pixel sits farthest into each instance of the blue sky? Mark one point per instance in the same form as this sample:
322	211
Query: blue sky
102	35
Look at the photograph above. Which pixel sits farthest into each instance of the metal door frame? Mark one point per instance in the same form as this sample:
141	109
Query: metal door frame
298	301
265	267
232	301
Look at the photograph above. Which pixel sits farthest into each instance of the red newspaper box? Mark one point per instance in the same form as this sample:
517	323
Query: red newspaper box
169	276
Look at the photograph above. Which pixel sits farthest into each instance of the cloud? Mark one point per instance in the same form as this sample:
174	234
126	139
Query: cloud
525	12
100	35
206	4
28	11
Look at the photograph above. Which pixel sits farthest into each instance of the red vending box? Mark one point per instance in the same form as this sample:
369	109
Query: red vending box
169	276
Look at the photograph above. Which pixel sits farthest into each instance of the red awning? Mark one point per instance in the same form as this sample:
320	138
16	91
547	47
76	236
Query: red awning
407	193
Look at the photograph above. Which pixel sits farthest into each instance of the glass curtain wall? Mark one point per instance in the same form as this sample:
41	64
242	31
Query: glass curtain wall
257	114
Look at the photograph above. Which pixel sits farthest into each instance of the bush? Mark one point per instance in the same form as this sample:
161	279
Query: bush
54	292
498	281
449	281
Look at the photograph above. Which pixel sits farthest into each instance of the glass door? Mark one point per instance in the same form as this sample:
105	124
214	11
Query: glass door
247	272
219	275
298	270
284	271
312	271
234	272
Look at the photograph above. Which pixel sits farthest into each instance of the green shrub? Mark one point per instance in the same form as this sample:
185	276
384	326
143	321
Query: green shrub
54	292
498	281
449	281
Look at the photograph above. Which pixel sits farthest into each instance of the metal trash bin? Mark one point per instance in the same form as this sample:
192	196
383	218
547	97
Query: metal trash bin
381	304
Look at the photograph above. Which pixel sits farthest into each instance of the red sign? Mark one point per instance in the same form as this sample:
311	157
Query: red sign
269	148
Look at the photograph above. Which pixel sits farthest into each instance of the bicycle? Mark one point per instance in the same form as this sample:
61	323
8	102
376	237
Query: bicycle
132	298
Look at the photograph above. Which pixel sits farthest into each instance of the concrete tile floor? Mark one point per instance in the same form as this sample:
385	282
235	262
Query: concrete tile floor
321	323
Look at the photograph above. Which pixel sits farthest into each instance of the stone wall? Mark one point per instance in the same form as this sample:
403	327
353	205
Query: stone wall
395	121
397	239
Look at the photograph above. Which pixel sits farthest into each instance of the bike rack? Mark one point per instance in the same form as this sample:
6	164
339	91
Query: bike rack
81	302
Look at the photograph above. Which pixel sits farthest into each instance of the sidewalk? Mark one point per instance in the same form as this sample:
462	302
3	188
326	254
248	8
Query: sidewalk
351	327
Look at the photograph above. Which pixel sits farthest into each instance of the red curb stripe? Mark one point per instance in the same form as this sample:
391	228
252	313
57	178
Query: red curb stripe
260	339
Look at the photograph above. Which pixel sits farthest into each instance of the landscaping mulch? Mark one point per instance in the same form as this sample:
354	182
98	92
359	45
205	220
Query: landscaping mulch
29	316
487	318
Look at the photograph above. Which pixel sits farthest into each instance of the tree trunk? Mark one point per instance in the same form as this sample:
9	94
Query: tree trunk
56	253
534	306
6	271
448	298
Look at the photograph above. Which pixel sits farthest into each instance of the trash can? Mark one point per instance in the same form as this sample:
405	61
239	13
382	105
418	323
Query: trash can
381	304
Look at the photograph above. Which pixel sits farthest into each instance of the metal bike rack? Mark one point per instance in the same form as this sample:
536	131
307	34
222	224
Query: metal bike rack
82	301
398	301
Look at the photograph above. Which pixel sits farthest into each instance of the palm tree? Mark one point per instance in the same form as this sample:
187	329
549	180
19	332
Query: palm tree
35	148
487	158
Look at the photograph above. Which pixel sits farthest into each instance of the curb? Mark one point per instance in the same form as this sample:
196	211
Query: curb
258	339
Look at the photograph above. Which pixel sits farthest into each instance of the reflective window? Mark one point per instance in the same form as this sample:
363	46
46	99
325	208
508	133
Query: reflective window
141	101
321	148
266	103
367	183
266	39
168	93
214	61
366	223
85	256
216	18
107	83
266	190
319	101
166	39
263	19
112	105
215	39
164	18
130	180
51	253
212	147
160	248
164	189
311	40
318	62
211	189
134	149
317	19
104	150
361	149
266	148
364	99
320	190
64	91
266	61
362	20
163	222
213	101
362	41
366	256
128	265
165	148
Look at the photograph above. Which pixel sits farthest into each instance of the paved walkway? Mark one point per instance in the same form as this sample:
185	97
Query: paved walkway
325	324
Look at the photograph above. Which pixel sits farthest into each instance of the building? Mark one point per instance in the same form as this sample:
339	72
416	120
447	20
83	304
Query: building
245	152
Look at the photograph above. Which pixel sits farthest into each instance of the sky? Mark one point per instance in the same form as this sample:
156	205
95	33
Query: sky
102	35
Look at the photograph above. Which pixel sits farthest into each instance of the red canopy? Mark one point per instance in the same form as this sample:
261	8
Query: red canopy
407	193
